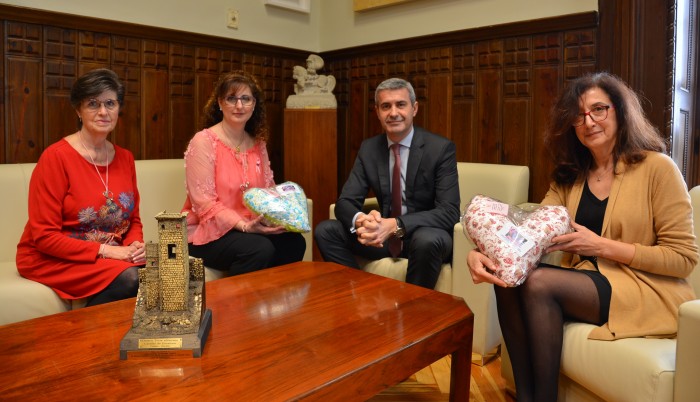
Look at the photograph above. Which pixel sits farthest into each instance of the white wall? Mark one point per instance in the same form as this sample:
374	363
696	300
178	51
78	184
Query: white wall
330	25
342	28
257	22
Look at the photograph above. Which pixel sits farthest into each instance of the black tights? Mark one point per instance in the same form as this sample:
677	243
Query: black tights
125	285
532	321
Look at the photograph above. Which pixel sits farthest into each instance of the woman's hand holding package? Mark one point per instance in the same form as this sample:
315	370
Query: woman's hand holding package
258	225
478	263
586	243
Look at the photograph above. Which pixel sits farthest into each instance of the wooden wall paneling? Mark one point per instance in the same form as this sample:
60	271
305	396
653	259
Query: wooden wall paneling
155	140
439	102
230	60
652	70
341	70
489	114
208	67
275	142
489	97
635	42
24	103
548	56
359	112
60	71
546	84
181	86
517	100
93	50
464	101
439	91
160	85
272	78
204	85
59	116
155	134
126	63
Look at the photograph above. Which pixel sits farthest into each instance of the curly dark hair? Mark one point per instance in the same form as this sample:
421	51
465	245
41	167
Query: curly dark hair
92	84
230	82
635	133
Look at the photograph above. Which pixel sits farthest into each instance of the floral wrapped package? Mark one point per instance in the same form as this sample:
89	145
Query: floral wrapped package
283	205
513	238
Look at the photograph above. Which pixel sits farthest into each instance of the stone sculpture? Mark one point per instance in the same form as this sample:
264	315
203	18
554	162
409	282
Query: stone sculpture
170	313
312	90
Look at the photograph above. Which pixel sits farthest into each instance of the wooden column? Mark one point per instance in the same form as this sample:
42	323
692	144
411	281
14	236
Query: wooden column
311	157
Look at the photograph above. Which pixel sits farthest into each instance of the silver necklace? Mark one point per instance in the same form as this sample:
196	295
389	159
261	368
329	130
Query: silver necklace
107	194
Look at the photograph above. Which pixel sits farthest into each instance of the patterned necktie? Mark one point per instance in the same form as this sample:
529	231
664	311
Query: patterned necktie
395	242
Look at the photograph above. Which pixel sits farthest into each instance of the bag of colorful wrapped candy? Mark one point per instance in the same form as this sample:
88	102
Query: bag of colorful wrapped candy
283	205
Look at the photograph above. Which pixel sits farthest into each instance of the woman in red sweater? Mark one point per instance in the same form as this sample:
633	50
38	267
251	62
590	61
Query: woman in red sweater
84	236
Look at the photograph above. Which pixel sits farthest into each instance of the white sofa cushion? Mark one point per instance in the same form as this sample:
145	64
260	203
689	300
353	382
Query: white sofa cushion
633	369
24	299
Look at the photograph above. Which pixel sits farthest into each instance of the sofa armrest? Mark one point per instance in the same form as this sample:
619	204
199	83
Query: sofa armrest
309	236
480	298
686	384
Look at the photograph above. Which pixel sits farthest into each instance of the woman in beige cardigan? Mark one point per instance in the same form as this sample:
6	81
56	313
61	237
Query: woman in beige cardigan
626	261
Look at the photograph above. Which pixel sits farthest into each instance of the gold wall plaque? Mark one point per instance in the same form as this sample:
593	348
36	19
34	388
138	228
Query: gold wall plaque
160	343
364	5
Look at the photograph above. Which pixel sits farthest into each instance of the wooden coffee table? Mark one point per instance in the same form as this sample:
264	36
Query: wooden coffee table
309	330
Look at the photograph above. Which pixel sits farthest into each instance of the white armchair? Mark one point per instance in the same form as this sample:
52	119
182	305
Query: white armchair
634	369
507	183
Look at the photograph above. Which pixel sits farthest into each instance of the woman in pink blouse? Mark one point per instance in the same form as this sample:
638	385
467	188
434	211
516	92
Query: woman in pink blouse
221	162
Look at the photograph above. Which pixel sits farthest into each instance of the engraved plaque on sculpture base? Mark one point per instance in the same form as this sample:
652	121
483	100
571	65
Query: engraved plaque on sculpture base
170	318
134	346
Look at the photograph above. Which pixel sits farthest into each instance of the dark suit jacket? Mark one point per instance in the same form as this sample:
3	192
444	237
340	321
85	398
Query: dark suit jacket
432	189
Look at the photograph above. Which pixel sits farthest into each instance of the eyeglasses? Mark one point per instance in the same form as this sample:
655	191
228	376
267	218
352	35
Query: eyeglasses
245	100
94	105
597	114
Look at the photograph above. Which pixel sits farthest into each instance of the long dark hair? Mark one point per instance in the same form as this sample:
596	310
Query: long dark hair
256	126
92	84
635	133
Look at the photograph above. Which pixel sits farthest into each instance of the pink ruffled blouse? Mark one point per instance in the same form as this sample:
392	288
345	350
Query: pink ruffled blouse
216	177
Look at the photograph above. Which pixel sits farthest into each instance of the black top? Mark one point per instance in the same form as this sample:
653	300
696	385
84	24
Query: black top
590	214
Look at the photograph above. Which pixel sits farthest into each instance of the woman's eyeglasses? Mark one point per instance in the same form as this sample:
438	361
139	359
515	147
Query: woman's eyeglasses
597	114
245	100
94	105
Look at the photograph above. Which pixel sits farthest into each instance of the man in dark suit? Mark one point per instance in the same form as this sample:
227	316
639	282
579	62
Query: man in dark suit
420	228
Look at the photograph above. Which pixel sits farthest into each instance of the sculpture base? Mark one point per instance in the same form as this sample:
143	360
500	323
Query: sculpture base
167	346
312	101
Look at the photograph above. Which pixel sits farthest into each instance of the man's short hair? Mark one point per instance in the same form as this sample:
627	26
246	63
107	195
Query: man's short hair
392	84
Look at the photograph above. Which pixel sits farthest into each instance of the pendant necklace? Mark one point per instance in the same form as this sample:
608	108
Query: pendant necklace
107	194
598	177
228	139
241	157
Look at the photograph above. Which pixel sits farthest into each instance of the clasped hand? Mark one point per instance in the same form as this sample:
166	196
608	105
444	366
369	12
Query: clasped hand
135	252
373	230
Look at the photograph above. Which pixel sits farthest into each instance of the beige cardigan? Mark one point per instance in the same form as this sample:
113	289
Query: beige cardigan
649	207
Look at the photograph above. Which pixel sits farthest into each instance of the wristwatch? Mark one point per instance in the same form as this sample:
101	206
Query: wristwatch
400	232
